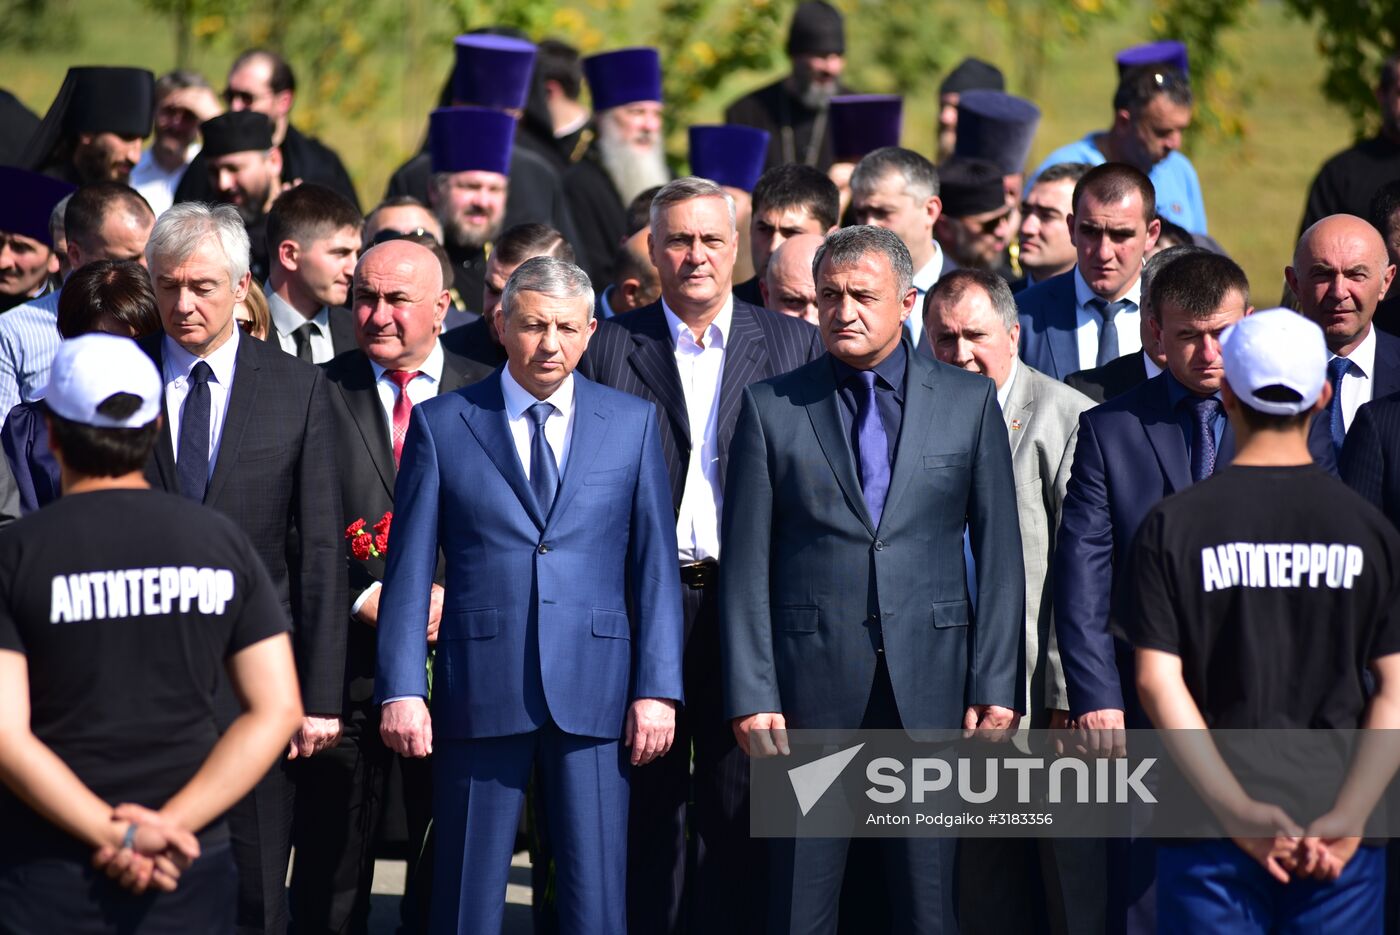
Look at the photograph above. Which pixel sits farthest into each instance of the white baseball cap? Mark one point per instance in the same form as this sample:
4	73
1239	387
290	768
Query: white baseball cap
92	368
1275	348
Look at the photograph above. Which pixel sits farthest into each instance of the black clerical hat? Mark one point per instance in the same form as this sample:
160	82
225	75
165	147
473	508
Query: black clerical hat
973	74
970	186
28	201
817	29
994	125
238	131
95	100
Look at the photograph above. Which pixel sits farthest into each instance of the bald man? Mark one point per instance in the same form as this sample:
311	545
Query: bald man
399	301
787	287
1340	273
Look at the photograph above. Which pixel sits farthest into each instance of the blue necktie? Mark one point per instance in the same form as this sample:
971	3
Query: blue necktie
1108	331
544	472
1203	412
192	465
1336	369
872	447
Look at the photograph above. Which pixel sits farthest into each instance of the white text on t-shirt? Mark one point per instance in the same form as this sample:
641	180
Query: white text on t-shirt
139	592
1280	565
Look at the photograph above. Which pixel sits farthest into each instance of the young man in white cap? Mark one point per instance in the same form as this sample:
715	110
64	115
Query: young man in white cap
118	606
1258	597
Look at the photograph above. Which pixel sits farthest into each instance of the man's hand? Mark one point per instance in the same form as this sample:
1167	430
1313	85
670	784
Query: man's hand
160	852
406	727
1328	845
1266	833
314	735
1060	722
1100	733
369	610
990	722
435	613
650	729
762	734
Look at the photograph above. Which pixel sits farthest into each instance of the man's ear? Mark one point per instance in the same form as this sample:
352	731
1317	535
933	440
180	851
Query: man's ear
240	288
287	253
763	289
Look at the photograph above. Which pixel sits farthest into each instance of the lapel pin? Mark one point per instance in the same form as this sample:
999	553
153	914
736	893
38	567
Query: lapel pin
1015	425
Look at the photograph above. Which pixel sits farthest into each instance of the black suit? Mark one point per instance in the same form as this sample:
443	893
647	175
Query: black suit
1112	379
303	157
342	323
337	827
635	352
474	342
275	476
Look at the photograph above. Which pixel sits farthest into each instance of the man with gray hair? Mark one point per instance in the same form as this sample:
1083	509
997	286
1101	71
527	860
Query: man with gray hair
972	323
863	469
692	353
897	189
560	639
248	431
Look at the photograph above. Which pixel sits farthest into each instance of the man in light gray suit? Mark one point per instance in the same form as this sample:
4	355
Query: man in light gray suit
971	321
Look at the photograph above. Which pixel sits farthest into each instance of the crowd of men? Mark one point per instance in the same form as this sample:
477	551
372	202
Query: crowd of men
467	465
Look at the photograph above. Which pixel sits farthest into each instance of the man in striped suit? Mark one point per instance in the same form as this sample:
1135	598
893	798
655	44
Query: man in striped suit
692	354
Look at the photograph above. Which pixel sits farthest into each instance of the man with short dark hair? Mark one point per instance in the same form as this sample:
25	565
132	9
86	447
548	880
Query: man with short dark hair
103	221
244	169
1046	247
1151	110
94	127
29	261
313	242
1089	316
559	70
261	81
793	109
787	200
183	101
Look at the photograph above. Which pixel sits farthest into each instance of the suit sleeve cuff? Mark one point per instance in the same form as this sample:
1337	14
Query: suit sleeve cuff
364	596
400	698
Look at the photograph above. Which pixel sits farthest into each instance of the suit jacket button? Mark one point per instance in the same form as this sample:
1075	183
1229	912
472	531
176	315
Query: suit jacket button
879	546
544	550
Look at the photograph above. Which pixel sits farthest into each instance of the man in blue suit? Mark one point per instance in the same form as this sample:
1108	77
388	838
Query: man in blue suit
1089	316
844	601
1133	451
559	642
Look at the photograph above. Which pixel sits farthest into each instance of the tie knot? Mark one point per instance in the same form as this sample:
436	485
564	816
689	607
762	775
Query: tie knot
867	378
539	412
310	329
1109	310
1205	408
1337	368
402	378
201	373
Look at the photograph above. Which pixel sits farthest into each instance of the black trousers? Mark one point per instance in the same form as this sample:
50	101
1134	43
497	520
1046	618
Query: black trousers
260	825
691	865
44	897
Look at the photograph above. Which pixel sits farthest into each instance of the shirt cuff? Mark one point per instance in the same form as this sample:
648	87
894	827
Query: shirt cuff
400	698
364	596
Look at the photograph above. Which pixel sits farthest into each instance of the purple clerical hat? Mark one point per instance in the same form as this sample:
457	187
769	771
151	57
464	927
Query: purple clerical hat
492	71
28	202
728	155
1168	52
467	139
996	126
624	76
861	123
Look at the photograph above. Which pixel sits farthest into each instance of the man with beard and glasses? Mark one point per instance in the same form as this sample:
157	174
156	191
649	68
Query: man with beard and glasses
94	127
793	108
184	100
245	171
975	224
626	159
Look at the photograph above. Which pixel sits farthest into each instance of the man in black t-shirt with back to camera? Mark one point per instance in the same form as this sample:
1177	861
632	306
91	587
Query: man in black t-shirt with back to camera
1260	596
118	608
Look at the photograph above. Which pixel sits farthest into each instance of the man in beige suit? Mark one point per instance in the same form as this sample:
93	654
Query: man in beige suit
970	320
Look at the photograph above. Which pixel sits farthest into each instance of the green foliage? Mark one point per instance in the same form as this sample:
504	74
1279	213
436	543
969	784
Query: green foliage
37	24
903	47
532	17
1202	24
1354	37
1039	32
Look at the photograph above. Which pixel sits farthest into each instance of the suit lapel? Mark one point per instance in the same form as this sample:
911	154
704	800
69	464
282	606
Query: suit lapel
165	447
1020	407
1387	366
745	357
1063	340
920	378
247	374
590	429
1164	434
831	435
342	325
362	399
487	421
653	358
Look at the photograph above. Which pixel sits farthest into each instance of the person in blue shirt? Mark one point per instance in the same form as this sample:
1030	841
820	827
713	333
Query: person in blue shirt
1151	111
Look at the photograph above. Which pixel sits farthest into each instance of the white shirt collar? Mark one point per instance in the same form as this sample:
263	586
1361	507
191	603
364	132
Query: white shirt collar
1083	294
178	362
1004	391
518	399
681	331
431	367
1364	356
926	278
287	319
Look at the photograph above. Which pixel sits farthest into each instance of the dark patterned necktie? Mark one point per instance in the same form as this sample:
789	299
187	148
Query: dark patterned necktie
544	472
301	337
192	464
1108	331
1337	368
872	447
1203	413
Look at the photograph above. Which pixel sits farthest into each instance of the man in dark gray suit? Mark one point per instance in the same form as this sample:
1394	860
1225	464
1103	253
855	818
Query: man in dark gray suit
248	431
692	354
844	601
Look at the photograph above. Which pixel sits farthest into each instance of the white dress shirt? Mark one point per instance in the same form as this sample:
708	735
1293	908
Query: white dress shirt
1088	321
700	368
924	280
1152	369
156	184
176	364
286	319
1357	385
558	428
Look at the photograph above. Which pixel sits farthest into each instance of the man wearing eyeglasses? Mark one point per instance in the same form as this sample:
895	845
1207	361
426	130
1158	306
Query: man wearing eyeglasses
1151	111
261	81
184	100
975	224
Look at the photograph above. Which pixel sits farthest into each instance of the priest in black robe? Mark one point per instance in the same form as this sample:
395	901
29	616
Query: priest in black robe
94	128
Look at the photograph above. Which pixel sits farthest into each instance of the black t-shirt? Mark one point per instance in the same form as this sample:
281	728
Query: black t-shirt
1276	586
126	604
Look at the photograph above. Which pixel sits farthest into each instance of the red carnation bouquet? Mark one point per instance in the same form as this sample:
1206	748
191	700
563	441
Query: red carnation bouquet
364	544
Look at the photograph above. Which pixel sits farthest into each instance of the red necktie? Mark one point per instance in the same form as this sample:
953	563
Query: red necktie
403	406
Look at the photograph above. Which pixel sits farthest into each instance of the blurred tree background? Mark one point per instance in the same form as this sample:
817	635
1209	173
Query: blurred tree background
1280	84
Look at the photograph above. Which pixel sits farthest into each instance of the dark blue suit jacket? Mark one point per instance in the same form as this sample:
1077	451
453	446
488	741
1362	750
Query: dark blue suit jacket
1387	369
1047	326
1130	454
568	616
804	565
25	438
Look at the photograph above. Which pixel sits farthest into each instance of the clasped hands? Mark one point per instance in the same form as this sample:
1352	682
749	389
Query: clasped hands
1288	852
159	851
